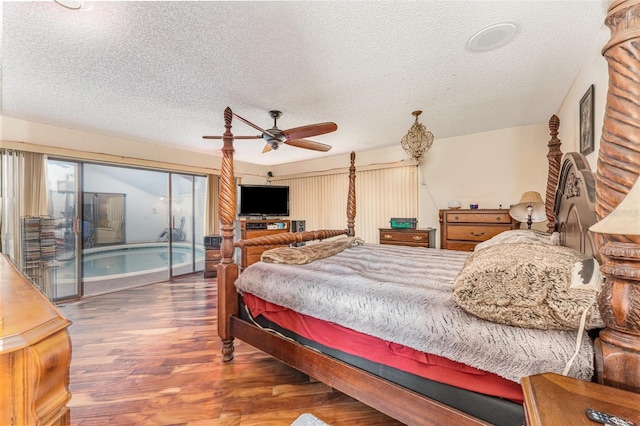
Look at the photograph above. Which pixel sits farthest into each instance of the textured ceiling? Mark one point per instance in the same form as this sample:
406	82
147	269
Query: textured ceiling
163	72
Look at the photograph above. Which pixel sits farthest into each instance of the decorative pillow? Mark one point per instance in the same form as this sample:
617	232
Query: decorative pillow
520	236
526	285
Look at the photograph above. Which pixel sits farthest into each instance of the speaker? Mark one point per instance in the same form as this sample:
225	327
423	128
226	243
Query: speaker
212	241
297	226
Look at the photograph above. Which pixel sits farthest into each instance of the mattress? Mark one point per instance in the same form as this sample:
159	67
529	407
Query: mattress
404	295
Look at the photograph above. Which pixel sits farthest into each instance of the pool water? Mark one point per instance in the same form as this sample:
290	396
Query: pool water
132	260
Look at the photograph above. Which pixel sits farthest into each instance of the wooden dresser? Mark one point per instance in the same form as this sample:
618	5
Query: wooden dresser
35	354
463	229
258	228
408	237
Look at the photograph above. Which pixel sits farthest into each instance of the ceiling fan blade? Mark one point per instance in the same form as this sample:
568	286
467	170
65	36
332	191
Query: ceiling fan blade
307	144
266	148
235	137
310	130
248	123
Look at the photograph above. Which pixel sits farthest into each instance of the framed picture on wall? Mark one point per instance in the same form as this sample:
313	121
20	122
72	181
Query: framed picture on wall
586	122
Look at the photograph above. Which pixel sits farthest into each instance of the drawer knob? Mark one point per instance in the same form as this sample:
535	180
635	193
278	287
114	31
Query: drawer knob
417	238
477	235
387	236
456	218
499	218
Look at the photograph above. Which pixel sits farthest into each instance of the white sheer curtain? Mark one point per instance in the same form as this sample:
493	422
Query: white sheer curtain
11	177
34	184
24	193
211	210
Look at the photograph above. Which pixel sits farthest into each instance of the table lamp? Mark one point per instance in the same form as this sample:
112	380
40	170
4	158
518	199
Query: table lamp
529	209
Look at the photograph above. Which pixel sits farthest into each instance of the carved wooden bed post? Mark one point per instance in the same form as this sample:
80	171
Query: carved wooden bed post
227	269
618	347
351	197
554	156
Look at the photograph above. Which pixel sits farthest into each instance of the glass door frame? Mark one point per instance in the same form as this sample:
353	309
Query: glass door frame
71	225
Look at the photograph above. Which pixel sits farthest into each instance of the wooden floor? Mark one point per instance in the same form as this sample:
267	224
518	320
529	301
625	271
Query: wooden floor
151	356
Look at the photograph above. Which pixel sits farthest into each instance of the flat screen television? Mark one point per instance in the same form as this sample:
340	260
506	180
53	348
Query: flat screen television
264	200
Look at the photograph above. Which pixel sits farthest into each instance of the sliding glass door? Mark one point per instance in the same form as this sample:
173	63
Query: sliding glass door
137	226
62	277
187	223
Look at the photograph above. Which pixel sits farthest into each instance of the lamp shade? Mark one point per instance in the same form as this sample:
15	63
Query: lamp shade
529	208
625	218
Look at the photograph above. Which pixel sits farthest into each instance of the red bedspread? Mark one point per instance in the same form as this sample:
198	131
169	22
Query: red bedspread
391	354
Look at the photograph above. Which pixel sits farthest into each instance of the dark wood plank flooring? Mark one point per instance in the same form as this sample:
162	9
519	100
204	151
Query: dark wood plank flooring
151	356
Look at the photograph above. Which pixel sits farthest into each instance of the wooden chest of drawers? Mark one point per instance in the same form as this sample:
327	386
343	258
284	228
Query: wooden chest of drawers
211	259
408	237
463	229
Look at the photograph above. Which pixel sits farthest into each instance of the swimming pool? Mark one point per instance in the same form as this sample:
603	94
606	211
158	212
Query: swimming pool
112	262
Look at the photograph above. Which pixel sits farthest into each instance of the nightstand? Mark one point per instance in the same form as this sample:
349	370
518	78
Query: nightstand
408	237
211	259
552	399
463	229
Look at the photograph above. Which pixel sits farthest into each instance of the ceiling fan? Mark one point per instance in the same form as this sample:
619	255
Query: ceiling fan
274	137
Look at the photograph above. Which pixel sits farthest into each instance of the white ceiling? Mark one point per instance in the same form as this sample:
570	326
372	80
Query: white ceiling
163	72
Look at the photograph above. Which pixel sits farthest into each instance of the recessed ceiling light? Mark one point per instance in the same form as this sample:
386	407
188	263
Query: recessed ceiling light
493	36
70	4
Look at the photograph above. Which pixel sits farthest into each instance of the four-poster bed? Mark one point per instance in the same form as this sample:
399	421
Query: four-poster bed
571	208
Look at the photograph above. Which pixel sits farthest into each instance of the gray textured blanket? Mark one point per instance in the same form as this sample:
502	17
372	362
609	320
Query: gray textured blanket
403	295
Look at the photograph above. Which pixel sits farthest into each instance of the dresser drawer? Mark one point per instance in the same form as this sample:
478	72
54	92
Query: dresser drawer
472	217
462	246
474	232
213	255
211	266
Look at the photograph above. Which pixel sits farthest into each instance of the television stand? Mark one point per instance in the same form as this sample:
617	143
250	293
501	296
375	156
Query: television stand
253	228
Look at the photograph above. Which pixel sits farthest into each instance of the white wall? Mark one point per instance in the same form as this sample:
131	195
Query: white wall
491	169
594	71
145	213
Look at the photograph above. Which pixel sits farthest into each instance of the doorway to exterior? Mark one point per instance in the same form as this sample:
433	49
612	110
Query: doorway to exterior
118	227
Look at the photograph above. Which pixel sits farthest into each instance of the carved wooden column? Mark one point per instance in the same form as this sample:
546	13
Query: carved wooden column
554	157
618	347
351	197
227	270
